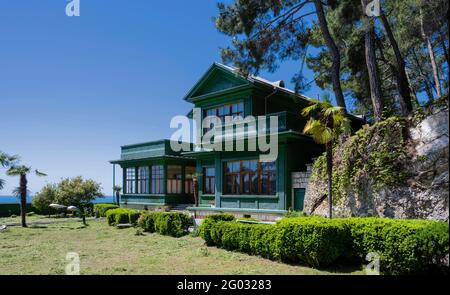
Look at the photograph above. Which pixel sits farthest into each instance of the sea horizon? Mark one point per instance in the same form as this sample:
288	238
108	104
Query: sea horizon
8	199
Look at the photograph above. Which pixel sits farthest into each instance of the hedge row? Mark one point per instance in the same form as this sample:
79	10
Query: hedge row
173	224
100	209
8	209
404	246
121	216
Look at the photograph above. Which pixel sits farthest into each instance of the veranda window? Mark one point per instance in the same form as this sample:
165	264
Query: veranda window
250	177
174	179
143	180
209	180
157	183
130	180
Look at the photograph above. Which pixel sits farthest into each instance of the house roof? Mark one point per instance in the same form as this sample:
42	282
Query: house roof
245	80
250	80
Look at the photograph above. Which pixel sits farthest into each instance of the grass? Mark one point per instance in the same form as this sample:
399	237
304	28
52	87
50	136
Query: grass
35	218
103	249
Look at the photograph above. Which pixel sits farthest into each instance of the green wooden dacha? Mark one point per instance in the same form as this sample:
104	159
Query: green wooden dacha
221	90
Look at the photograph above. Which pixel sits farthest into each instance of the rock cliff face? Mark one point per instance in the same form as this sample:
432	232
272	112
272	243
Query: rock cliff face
397	168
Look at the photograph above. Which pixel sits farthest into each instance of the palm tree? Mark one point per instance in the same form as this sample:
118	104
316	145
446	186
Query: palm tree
326	122
117	189
22	190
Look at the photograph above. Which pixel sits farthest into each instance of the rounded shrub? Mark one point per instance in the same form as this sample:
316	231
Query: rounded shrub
175	224
122	215
100	209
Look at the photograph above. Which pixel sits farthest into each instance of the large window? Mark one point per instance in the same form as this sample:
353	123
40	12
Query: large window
188	180
250	177
209	180
157	186
143	180
232	110
174	179
130	180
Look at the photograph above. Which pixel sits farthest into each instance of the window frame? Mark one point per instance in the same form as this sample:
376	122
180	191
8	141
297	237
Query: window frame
211	180
142	180
266	190
157	178
221	117
130	182
175	185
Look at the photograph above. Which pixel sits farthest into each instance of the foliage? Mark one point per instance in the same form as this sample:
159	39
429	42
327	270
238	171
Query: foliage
69	192
374	155
404	246
209	221
101	209
73	191
293	214
326	122
122	216
6	161
44	198
314	241
175	224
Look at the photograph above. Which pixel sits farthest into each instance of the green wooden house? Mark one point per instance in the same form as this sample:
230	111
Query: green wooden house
237	182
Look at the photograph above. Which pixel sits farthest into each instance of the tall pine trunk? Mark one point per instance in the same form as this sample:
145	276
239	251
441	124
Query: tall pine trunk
403	86
426	39
371	62
335	55
329	155
23	199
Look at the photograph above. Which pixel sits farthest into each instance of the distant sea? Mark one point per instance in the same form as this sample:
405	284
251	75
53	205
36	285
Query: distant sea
12	199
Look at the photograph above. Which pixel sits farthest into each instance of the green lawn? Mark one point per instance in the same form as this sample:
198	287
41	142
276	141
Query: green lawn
107	250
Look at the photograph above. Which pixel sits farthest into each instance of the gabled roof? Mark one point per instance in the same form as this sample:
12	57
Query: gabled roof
241	82
230	78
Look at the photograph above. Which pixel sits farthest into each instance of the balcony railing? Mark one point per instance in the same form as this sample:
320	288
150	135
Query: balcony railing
247	128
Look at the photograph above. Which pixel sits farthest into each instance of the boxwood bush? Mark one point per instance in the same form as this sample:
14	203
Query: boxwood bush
175	224
404	246
100	209
122	215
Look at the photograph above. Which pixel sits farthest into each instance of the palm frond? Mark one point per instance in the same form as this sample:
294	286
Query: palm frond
325	136
39	173
7	160
2	183
313	126
18	192
18	170
332	111
309	110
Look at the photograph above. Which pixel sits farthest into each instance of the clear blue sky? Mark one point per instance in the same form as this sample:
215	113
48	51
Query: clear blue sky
73	90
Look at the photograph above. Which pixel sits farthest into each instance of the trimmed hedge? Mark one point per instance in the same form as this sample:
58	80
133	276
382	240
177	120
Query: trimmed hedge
205	229
100	209
122	215
175	224
404	246
8	209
